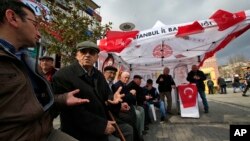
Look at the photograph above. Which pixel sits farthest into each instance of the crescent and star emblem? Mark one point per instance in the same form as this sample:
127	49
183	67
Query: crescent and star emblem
188	91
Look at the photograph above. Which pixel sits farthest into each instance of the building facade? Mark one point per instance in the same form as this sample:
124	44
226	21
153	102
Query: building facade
210	68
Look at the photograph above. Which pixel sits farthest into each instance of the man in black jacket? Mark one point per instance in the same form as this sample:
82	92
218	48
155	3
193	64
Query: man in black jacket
196	76
166	83
87	122
139	105
127	130
129	116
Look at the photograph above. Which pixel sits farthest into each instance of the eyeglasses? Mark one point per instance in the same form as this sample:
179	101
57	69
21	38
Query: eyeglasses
34	22
90	51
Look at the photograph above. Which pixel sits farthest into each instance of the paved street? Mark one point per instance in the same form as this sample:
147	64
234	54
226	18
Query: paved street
225	109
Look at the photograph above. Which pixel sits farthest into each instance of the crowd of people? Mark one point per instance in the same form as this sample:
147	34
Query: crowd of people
91	105
239	83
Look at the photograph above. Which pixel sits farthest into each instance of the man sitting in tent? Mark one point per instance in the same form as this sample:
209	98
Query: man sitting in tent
130	98
154	98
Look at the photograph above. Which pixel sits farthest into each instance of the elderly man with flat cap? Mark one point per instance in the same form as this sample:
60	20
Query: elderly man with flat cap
135	84
87	122
109	74
127	130
47	67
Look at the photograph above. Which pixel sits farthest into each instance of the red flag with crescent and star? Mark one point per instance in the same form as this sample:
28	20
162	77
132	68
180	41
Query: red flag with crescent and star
226	19
116	41
188	95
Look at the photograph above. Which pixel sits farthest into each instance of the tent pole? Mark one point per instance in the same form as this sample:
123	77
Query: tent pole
162	56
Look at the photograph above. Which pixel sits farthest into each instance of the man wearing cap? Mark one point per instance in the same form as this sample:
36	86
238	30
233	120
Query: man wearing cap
129	116
109	74
140	99
47	67
127	130
86	122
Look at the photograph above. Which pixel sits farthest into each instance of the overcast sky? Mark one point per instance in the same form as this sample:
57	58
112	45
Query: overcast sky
144	14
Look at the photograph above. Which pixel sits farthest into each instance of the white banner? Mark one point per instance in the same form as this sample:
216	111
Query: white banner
39	8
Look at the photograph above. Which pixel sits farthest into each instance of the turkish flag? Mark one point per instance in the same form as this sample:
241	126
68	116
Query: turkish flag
116	41
189	29
226	19
188	94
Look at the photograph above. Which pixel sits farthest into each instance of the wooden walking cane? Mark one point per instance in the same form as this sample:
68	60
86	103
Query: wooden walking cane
117	127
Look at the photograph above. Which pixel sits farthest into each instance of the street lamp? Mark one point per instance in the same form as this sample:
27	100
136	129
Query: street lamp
127	26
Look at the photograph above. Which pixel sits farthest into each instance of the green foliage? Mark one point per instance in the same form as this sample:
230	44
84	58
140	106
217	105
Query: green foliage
72	28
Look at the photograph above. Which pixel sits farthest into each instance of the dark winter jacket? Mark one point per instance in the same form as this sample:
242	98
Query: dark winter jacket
166	84
140	96
86	122
199	83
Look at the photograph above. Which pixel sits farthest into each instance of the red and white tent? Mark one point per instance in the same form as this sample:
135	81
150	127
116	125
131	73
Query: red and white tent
175	46
168	45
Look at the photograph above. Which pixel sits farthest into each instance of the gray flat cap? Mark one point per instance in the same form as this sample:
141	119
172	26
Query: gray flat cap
47	58
87	45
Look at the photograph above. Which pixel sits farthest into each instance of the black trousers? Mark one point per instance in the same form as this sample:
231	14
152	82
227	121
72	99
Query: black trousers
247	87
130	118
210	90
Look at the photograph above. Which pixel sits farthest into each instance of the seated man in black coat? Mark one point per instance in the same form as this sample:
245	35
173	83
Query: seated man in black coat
139	105
127	130
129	116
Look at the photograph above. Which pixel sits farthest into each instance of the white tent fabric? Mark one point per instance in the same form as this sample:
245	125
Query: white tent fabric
145	50
159	46
155	48
158	24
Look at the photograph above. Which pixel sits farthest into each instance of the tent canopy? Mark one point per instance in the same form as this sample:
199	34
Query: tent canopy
168	45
